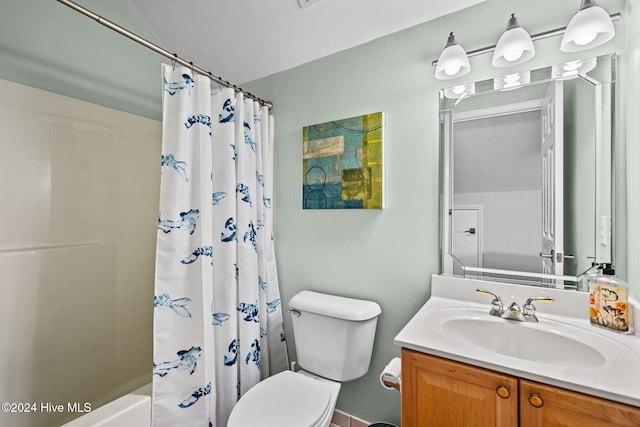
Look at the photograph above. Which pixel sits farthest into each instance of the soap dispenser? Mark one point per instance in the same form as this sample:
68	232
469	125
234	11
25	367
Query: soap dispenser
584	284
608	298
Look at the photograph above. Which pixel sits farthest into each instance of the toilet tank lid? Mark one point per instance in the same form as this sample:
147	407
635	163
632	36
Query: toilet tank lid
335	306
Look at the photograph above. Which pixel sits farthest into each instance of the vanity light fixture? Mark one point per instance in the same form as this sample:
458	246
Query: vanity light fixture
591	26
514	46
453	61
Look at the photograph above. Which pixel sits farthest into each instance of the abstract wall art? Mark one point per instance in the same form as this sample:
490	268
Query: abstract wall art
343	164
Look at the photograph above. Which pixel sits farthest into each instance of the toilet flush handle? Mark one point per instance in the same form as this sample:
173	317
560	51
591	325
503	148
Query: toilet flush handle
294	312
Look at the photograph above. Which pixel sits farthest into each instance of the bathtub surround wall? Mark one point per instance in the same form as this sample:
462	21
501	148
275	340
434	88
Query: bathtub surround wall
389	255
77	239
79	206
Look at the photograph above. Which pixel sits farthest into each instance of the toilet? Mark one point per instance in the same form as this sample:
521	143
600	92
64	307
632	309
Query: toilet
334	341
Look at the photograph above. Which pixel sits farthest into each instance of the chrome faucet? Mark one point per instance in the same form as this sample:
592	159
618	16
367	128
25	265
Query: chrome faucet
525	314
514	312
497	306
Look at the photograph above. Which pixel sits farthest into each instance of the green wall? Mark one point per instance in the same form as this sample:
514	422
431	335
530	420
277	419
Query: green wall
47	45
386	255
389	255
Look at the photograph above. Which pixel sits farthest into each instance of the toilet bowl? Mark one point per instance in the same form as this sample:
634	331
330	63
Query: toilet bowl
334	342
287	399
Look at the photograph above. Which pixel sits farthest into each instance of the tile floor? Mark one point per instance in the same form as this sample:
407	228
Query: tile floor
342	419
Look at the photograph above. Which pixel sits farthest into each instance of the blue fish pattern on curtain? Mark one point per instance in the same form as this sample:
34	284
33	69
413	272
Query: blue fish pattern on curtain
217	314
178	165
178	305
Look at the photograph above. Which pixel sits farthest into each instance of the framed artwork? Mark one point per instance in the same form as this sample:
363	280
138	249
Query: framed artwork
343	164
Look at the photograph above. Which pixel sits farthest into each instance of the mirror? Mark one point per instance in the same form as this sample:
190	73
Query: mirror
527	174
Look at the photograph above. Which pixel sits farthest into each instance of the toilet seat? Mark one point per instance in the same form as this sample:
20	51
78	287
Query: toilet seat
286	399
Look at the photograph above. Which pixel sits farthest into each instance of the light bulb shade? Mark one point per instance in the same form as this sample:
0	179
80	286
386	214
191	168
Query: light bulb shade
514	46
590	27
453	61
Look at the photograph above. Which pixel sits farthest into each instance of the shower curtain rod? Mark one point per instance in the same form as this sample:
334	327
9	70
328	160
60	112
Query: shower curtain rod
146	43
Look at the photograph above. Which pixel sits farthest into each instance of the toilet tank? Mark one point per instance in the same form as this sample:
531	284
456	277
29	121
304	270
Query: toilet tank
333	335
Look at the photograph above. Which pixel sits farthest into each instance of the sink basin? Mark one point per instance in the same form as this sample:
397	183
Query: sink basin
549	342
523	341
562	349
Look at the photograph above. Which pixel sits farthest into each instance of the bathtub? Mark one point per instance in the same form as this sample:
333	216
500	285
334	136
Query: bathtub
131	410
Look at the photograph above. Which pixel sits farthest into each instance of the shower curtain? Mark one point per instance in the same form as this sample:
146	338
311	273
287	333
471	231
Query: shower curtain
217	318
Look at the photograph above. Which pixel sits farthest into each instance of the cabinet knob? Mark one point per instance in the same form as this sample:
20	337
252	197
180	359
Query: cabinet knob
503	392
535	400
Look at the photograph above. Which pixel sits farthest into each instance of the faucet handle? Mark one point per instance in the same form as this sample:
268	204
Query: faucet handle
485	292
529	301
497	306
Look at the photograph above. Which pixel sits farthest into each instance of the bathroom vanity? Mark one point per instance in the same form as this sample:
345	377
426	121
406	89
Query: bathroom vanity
463	367
441	392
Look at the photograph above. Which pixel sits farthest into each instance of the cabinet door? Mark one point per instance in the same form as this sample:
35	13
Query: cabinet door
548	406
438	392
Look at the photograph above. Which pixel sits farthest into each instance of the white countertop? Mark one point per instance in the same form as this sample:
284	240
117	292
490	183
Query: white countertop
618	378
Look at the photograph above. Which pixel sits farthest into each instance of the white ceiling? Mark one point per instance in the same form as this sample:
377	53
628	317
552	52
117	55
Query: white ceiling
243	40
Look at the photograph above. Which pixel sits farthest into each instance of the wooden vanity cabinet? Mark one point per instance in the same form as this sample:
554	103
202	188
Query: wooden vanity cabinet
438	392
548	406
